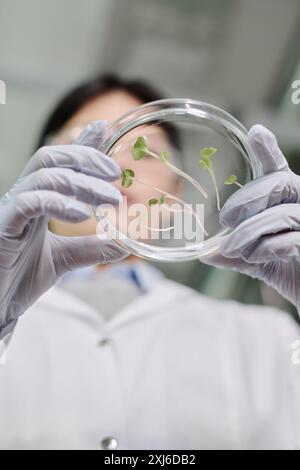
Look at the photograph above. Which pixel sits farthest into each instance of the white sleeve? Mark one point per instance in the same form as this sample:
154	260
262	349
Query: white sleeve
3	347
290	344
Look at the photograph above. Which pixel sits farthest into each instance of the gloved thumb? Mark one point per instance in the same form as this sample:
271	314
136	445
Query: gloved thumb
93	134
265	145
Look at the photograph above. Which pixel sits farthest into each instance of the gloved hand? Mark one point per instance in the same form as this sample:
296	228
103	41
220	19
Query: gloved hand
265	216
31	257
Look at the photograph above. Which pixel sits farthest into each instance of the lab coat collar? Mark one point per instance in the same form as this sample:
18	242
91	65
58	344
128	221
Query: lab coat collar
163	294
150	303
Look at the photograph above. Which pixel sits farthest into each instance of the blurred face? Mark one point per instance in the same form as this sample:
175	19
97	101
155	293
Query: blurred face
110	107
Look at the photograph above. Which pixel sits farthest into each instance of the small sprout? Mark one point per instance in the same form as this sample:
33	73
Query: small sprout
162	199
128	173
208	152
127	182
128	176
153	202
140	148
164	156
205	163
232	179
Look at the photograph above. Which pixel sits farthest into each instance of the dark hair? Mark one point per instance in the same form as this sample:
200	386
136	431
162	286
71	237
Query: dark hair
91	89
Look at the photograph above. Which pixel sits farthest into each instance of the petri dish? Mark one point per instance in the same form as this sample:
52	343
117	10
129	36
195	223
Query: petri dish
181	160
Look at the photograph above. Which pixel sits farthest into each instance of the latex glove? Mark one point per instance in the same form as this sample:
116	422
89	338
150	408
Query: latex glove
265	216
31	257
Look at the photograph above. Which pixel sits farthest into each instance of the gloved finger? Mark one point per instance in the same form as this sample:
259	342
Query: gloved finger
218	260
280	247
265	144
279	219
78	158
77	252
275	188
86	160
281	187
88	189
93	134
22	208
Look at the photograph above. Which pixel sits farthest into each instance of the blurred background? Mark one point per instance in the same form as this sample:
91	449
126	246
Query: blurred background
238	54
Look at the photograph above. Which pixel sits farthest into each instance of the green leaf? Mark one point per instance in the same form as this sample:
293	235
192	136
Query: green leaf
127	182
138	154
208	152
164	156
204	164
162	199
140	148
153	202
231	180
128	173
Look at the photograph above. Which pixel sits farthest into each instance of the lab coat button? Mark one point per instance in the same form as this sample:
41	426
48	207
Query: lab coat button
104	342
109	443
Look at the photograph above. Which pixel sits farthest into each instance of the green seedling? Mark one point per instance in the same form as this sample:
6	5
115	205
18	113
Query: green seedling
232	179
206	164
153	202
156	202
140	150
128	178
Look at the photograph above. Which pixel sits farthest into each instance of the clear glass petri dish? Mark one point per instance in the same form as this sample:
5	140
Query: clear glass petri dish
181	160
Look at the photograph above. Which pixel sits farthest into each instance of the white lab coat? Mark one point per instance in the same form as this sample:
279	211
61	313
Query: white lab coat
180	371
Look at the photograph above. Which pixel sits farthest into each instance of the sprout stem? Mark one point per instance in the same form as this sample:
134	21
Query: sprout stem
154	229
212	174
177	199
181	173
